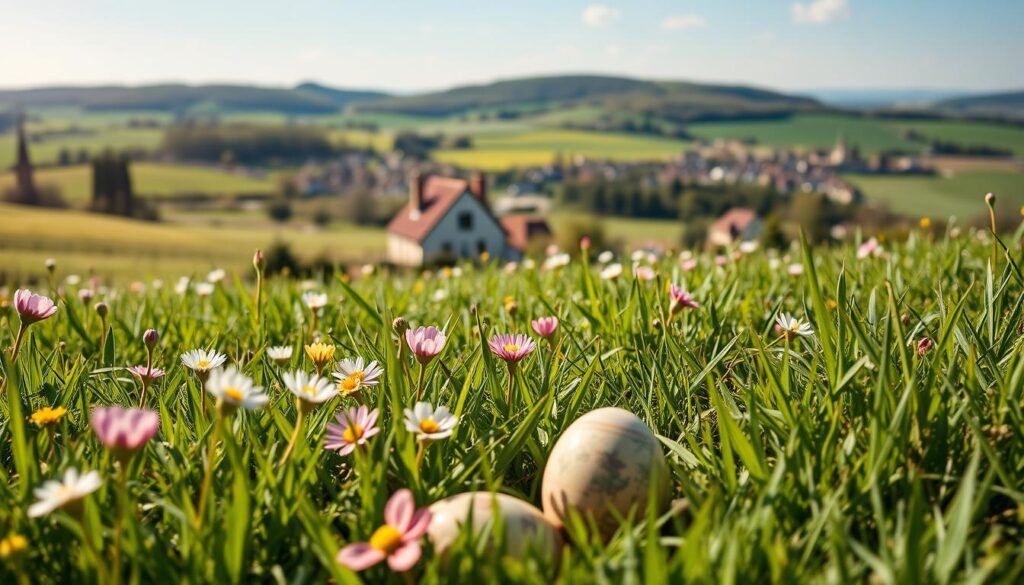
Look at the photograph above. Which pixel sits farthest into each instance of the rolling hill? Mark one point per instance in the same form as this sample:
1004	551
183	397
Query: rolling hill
307	98
1006	104
670	100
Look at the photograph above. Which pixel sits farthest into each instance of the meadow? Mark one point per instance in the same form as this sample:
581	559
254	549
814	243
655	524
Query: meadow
830	415
940	196
113	247
151	180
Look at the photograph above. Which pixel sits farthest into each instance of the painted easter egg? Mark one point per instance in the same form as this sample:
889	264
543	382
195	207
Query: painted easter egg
603	465
525	525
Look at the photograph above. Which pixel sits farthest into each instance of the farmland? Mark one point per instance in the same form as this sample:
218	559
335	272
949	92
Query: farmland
853	450
942	196
150	180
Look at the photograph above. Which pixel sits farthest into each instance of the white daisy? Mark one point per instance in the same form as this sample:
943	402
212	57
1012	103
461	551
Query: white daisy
748	247
181	287
606	257
235	389
204	289
429	424
314	300
353	374
612	271
556	261
203	360
795	269
308	285
281	354
216	275
309	388
56	494
790	327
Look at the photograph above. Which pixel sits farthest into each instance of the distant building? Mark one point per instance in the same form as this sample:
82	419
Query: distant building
739	224
446	219
523	229
25	192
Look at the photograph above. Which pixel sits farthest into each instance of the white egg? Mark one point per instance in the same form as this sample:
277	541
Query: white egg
603	466
525	525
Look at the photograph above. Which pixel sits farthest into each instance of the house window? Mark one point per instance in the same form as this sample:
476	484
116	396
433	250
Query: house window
481	246
446	248
465	221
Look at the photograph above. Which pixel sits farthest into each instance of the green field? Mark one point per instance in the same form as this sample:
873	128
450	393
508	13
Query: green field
150	180
539	147
874	436
940	196
118	247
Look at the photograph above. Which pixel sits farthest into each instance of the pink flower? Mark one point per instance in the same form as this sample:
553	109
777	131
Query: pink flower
32	307
354	428
512	348
146	374
425	342
644	273
721	260
124	430
396	541
545	326
85	295
869	248
680	299
689	264
924	346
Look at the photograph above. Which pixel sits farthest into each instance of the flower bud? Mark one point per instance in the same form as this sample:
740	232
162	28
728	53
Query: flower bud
101	309
51	265
150	337
400	325
990	199
259	261
924	346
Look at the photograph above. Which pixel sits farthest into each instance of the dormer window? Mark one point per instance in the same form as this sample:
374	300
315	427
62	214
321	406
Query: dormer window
465	220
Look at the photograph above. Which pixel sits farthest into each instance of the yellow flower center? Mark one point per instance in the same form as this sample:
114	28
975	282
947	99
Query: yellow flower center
353	433
429	426
511	347
311	390
233	393
350	384
386	539
203	364
357	375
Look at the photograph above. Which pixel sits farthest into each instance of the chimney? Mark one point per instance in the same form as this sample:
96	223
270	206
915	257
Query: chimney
478	187
416	194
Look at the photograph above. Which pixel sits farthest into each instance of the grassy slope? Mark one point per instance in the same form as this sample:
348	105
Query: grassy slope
940	196
150	179
118	246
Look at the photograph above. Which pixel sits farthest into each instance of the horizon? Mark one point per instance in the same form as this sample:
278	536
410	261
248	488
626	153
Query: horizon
807	45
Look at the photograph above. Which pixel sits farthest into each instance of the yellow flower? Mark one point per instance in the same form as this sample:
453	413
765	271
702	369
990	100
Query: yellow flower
12	545
1022	210
509	300
418	287
925	223
320	353
485	256
48	416
831	304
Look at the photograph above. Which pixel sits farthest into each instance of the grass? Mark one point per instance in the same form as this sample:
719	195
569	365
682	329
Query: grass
538	147
150	180
47	151
120	248
941	196
841	456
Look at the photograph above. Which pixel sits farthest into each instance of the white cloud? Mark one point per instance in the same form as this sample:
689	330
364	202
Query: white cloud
600	15
820	11
683	22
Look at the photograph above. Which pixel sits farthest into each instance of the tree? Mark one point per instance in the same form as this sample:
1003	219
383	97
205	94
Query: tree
279	210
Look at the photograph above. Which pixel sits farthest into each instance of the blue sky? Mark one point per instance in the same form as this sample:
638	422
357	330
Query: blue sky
408	46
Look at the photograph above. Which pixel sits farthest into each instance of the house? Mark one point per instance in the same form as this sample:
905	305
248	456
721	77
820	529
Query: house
739	224
522	229
446	219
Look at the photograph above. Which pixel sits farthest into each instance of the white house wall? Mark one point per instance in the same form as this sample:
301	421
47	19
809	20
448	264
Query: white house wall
464	242
403	251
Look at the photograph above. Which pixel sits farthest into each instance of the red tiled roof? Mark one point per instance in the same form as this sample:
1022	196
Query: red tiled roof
439	194
521	228
737	218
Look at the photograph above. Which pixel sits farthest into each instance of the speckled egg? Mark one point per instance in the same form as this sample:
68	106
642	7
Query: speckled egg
603	466
525	525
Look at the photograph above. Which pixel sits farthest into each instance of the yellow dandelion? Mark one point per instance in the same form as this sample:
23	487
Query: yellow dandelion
831	304
925	223
48	416
418	287
485	256
12	545
320	353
